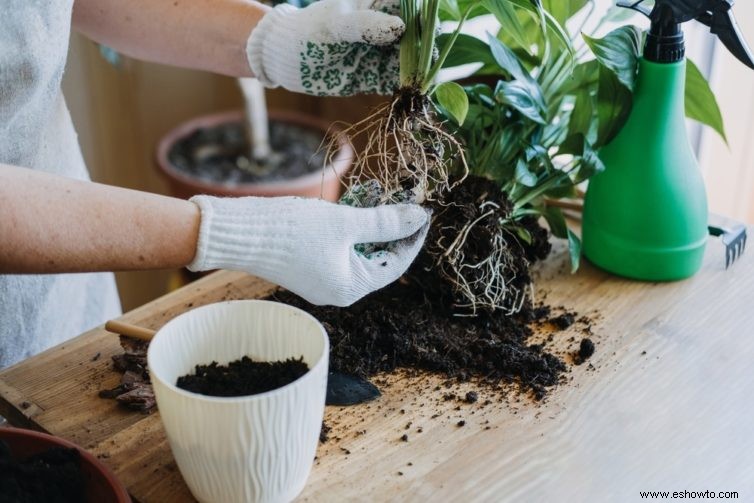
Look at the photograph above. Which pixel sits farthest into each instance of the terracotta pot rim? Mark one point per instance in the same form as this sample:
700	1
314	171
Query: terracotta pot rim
86	456
335	170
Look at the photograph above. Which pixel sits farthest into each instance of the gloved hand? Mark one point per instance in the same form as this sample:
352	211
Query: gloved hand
330	48
307	245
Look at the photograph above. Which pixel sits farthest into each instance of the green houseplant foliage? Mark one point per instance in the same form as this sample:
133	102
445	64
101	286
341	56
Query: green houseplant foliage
545	99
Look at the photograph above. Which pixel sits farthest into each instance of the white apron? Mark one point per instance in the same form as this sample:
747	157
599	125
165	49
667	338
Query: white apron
40	311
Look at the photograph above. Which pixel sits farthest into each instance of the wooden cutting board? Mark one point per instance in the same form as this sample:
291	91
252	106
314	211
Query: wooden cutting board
665	405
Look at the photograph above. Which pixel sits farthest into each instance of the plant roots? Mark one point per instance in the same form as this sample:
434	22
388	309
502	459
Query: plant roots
473	252
407	151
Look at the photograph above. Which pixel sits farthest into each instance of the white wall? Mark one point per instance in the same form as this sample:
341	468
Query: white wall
729	170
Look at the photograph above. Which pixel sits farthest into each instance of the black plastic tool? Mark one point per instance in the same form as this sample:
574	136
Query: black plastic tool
343	389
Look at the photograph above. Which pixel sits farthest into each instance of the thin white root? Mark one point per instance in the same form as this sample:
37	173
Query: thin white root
402	151
489	283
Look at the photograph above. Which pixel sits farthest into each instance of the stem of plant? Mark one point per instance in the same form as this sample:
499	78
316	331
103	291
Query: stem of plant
417	47
429	12
432	73
409	45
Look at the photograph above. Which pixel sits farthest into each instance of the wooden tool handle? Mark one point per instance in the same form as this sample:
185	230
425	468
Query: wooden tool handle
118	327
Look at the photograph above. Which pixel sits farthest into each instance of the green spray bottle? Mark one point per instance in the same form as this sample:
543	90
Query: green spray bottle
645	216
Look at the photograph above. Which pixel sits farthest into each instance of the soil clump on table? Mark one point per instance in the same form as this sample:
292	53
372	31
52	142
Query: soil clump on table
52	476
400	328
222	154
242	377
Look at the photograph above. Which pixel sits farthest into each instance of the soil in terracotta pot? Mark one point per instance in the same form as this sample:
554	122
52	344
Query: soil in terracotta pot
221	154
52	476
242	377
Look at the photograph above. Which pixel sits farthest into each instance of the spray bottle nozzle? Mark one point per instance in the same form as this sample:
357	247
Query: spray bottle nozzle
668	15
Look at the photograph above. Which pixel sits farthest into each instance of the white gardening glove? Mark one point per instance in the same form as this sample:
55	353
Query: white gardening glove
330	48
307	245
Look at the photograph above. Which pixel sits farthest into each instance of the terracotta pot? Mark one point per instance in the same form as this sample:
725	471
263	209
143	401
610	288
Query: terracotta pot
101	484
326	185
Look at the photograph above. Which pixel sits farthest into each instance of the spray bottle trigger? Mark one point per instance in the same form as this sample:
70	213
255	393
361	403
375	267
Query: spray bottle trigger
724	25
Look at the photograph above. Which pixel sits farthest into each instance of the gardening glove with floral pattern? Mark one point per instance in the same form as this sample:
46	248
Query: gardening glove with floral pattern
308	245
330	48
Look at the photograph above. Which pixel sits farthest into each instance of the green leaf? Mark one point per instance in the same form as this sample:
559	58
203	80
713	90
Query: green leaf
477	9
523	234
507	59
556	222
449	10
582	114
523	175
585	76
507	17
563	10
701	104
508	146
466	50
519	95
550	24
588	162
619	51
453	99
574	249
564	189
614	102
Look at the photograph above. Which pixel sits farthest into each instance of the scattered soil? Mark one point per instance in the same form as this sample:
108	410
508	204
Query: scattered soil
242	377
52	476
586	350
222	154
564	321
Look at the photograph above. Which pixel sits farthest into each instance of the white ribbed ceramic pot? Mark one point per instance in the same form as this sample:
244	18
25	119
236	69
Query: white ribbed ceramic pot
245	449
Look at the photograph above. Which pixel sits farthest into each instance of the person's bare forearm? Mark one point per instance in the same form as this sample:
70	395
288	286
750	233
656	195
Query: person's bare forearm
202	34
51	224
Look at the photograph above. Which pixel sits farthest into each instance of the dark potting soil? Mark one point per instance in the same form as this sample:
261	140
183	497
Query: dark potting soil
399	327
52	476
586	350
414	322
222	154
242	377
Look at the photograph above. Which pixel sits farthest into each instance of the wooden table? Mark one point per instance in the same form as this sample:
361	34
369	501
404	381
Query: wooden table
667	404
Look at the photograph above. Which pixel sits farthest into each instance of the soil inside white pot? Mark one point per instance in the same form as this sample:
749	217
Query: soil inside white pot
222	154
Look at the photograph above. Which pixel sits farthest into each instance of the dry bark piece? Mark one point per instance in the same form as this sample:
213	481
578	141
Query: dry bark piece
135	388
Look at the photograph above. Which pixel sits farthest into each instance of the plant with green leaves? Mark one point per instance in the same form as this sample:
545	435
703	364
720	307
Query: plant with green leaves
532	119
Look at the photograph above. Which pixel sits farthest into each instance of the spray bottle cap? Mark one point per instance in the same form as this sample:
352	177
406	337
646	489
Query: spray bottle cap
665	42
